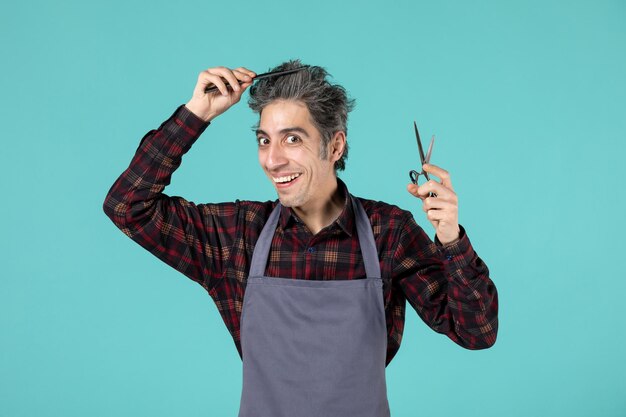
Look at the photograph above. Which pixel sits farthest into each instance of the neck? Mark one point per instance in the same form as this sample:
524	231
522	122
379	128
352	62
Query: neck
322	212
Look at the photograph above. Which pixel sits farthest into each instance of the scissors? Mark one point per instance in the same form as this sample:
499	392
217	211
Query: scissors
425	160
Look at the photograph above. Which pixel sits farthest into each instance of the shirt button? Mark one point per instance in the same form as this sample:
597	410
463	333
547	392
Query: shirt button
311	249
449	257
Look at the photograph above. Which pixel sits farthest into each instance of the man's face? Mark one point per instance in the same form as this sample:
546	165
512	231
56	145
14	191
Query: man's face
289	153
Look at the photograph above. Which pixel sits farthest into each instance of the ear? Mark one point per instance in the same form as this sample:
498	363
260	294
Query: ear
337	145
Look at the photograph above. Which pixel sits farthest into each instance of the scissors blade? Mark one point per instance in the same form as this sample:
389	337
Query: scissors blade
430	150
419	144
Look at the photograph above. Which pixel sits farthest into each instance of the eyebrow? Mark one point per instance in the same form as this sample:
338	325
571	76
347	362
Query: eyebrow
285	130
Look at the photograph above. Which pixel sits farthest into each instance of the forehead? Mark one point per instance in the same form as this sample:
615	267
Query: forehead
280	114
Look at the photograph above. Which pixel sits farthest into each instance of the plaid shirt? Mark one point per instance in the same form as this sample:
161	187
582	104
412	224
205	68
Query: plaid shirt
448	286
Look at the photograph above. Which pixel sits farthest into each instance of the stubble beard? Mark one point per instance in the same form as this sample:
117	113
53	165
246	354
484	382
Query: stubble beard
292	200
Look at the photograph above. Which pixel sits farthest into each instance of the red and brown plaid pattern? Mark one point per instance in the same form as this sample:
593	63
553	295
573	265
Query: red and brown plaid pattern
449	287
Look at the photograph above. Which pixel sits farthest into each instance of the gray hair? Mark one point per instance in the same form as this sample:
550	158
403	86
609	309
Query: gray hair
327	103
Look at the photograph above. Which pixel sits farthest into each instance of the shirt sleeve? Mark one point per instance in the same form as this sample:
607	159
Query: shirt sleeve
448	286
193	239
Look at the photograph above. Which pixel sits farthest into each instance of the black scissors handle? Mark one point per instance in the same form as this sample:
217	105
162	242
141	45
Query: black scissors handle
414	175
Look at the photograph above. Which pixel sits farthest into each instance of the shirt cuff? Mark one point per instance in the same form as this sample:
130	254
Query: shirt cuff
458	254
184	127
190	119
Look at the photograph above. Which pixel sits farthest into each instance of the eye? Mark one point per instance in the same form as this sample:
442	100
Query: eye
292	139
262	140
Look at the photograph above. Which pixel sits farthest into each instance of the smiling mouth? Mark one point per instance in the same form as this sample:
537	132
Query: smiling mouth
286	179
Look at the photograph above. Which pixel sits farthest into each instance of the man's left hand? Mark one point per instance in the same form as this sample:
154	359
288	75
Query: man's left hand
442	211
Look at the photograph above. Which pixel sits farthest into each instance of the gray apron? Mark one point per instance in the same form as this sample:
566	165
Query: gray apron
314	348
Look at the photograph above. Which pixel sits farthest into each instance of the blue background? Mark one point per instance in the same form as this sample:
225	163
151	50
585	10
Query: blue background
528	104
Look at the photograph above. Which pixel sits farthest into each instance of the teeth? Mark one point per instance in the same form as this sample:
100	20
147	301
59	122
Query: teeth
287	178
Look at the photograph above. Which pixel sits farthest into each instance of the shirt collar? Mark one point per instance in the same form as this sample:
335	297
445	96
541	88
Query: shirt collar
345	221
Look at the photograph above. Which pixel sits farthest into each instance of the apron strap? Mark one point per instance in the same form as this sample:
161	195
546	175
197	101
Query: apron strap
366	240
364	233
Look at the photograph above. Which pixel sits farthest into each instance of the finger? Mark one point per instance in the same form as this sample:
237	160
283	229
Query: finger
436	203
217	81
412	189
242	76
438	215
446	215
433	186
252	74
440	173
245	80
204	81
243	88
228	75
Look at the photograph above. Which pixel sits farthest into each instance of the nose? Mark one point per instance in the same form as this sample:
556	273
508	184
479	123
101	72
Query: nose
275	157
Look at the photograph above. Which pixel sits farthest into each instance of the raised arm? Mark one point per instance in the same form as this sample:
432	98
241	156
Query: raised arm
448	286
445	281
191	238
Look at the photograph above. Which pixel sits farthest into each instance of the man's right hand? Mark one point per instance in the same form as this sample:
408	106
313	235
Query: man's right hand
207	106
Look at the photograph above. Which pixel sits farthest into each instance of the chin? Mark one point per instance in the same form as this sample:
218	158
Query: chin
291	201
287	202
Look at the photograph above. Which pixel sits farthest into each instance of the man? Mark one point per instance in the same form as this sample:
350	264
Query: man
312	287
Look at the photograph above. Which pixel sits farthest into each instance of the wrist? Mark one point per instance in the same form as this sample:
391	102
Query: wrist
450	240
199	112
